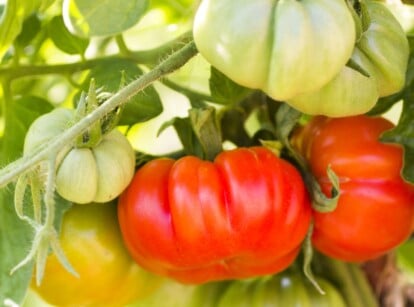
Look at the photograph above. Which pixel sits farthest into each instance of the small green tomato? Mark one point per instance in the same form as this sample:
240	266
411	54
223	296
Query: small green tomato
85	174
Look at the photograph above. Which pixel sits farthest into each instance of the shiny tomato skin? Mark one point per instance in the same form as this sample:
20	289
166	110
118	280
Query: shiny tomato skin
376	206
243	215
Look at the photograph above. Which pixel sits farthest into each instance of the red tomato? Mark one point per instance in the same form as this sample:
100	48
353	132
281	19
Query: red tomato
243	215
376	206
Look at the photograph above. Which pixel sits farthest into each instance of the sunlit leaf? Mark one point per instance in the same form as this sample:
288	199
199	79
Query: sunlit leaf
15	234
108	76
12	18
89	18
65	40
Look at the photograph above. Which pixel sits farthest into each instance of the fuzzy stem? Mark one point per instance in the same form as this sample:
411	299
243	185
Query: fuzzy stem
49	197
172	63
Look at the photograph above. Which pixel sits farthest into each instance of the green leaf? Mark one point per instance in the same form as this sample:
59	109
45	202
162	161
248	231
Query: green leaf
22	113
403	134
175	10
232	121
207	130
89	18
286	119
65	40
12	18
15	234
143	106
405	259
225	91
31	27
186	134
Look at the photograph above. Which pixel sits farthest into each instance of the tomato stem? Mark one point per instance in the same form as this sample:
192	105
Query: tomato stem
26	163
286	120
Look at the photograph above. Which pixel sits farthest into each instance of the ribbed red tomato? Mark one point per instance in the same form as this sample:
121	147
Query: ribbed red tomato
376	206
243	215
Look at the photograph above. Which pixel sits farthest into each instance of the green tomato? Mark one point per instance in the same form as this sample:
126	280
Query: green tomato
381	50
286	289
108	276
284	48
85	175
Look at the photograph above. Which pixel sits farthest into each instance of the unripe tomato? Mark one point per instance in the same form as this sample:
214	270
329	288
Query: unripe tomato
287	289
85	175
284	48
243	215
108	276
376	206
381	50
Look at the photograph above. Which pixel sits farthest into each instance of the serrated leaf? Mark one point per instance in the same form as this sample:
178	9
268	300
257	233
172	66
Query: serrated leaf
87	18
403	134
109	76
65	40
15	234
225	91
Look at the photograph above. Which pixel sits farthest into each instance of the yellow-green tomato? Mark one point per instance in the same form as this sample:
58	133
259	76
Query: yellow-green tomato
91	240
85	174
284	48
381	51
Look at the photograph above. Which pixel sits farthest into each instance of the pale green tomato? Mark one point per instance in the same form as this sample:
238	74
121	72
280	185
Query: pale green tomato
85	175
286	289
97	174
284	48
382	51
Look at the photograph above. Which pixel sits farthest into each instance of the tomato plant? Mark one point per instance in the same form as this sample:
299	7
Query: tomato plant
245	214
81	82
91	238
376	206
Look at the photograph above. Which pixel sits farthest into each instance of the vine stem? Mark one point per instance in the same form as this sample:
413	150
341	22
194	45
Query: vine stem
147	57
169	65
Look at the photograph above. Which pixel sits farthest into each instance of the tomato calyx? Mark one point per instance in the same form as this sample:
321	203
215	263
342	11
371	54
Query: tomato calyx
286	120
199	133
86	105
91	137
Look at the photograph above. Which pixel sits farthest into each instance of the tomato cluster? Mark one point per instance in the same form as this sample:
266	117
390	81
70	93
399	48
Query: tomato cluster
247	213
311	54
